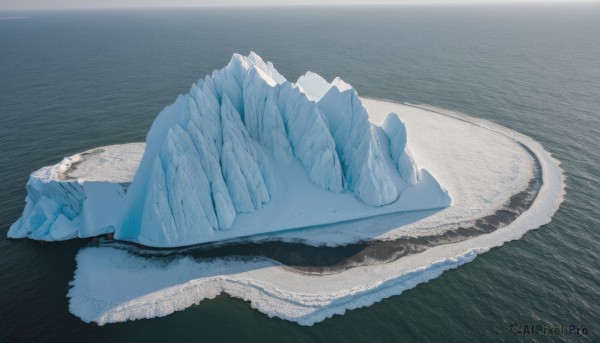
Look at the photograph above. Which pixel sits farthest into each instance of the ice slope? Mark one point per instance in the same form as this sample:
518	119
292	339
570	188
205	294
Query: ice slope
201	169
81	196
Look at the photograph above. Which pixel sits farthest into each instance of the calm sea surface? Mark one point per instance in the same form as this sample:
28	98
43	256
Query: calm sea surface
71	81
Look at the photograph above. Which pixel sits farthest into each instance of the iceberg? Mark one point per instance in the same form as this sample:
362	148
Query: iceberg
244	152
251	160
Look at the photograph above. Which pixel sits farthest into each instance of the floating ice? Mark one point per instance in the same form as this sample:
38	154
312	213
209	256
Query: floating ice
247	154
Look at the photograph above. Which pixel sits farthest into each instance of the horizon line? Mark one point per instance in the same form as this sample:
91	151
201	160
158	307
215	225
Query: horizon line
290	5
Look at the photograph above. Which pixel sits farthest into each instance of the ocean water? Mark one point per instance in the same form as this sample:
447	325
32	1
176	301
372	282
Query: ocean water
71	81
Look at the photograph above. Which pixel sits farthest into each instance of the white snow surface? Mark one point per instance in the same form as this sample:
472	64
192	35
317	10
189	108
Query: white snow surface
482	163
81	196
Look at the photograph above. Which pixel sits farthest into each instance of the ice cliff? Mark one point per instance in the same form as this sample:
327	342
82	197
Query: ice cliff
69	200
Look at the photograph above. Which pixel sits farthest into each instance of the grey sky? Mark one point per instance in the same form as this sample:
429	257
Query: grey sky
87	4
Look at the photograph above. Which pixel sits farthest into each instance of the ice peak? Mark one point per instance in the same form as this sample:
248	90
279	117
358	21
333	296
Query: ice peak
205	159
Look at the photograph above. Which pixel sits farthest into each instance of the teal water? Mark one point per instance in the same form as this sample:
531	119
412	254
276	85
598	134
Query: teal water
76	80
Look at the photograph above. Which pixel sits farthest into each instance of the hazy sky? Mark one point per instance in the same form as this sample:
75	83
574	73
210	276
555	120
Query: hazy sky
74	4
